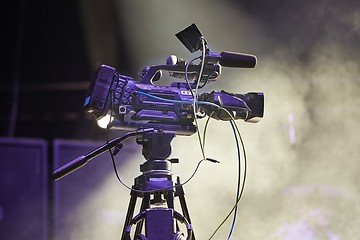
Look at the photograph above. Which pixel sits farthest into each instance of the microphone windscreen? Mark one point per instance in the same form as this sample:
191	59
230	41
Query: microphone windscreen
240	60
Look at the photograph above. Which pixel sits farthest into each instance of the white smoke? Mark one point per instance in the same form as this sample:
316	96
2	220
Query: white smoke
308	68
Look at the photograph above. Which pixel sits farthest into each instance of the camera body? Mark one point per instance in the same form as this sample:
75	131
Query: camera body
136	105
141	104
127	101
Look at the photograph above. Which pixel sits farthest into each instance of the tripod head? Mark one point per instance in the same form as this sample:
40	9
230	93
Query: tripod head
156	144
156	150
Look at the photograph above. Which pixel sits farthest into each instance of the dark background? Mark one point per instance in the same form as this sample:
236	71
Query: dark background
46	70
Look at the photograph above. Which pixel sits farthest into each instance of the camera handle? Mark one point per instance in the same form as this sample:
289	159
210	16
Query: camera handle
156	188
79	162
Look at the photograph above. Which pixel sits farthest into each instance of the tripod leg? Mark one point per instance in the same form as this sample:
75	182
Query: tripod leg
170	199
179	192
130	213
170	204
144	205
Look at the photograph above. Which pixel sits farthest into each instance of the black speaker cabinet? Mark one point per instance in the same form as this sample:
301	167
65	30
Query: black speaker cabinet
76	216
23	189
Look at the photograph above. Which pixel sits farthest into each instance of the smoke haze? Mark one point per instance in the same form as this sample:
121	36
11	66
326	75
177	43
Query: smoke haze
303	156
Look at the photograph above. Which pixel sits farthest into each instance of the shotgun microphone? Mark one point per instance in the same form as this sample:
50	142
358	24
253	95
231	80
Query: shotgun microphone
232	59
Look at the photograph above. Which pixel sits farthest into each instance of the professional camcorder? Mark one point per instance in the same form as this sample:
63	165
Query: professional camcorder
155	114
136	104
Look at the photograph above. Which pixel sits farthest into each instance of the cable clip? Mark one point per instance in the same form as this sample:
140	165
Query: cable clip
212	160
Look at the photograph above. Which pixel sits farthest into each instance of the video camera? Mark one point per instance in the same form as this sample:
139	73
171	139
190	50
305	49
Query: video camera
142	104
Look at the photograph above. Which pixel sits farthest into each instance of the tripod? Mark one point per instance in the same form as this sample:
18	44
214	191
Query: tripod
156	188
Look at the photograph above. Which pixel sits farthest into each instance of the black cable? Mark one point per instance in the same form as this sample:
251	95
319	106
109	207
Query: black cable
238	185
107	140
243	183
186	75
